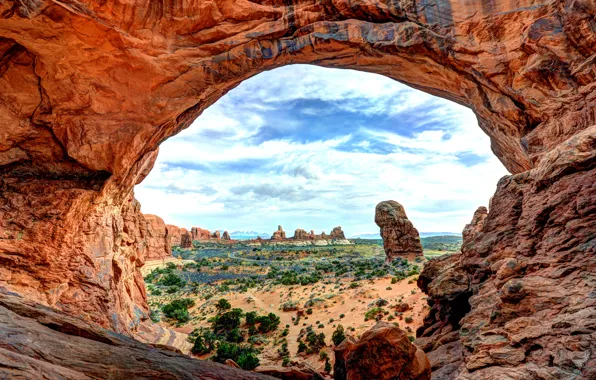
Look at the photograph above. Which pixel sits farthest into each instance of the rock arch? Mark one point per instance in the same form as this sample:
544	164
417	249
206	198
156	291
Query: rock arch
88	91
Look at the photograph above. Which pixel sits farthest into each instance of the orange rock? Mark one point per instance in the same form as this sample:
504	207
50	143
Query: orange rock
400	238
384	352
157	239
88	91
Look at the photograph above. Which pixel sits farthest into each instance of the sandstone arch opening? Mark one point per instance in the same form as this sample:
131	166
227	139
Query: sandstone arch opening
336	142
90	90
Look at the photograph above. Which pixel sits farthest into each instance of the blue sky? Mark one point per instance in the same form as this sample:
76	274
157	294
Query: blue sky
313	148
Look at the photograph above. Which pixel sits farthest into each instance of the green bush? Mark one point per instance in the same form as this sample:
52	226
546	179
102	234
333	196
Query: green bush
244	356
223	305
338	335
171	279
227	321
178	309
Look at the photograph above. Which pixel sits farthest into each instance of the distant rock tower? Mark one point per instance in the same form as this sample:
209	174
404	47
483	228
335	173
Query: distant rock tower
280	234
400	238
185	240
216	235
337	234
226	236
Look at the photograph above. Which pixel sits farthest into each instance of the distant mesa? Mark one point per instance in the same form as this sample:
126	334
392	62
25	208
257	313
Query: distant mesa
400	237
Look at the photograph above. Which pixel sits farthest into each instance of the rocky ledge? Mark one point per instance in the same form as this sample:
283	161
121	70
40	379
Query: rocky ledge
39	342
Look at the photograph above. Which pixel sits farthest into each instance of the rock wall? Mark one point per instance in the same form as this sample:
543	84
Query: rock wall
88	91
157	238
400	237
65	347
200	234
518	302
300	234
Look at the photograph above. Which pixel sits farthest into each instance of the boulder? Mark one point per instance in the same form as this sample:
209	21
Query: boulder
400	238
384	352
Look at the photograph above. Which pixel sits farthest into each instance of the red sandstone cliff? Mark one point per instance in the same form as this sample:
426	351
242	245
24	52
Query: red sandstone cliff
157	238
88	91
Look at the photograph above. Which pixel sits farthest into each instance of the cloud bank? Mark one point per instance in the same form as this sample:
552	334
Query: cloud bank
313	148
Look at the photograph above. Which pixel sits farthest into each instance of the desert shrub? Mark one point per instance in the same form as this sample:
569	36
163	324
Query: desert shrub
244	356
309	311
268	323
338	335
178	309
342	315
235	336
375	313
222	305
251	317
327	366
301	347
248	361
409	320
205	342
170	279
227	321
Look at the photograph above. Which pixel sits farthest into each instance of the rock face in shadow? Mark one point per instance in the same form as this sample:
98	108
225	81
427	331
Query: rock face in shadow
384	352
400	237
38	342
88	91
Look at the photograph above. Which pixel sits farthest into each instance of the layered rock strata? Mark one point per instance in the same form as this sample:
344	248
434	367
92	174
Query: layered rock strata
400	237
38	342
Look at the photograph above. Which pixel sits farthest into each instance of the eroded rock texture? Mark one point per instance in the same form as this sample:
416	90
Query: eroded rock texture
400	237
157	239
337	234
280	234
38	342
527	270
88	90
384	352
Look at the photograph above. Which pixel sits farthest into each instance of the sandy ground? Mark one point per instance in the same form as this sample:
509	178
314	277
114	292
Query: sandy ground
353	303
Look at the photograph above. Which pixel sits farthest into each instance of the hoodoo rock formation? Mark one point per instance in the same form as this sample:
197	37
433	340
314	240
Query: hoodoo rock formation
226	236
337	234
301	234
400	238
158	241
88	91
280	234
384	352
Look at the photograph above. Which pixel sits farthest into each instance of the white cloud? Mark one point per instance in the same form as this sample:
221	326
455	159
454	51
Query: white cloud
215	175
